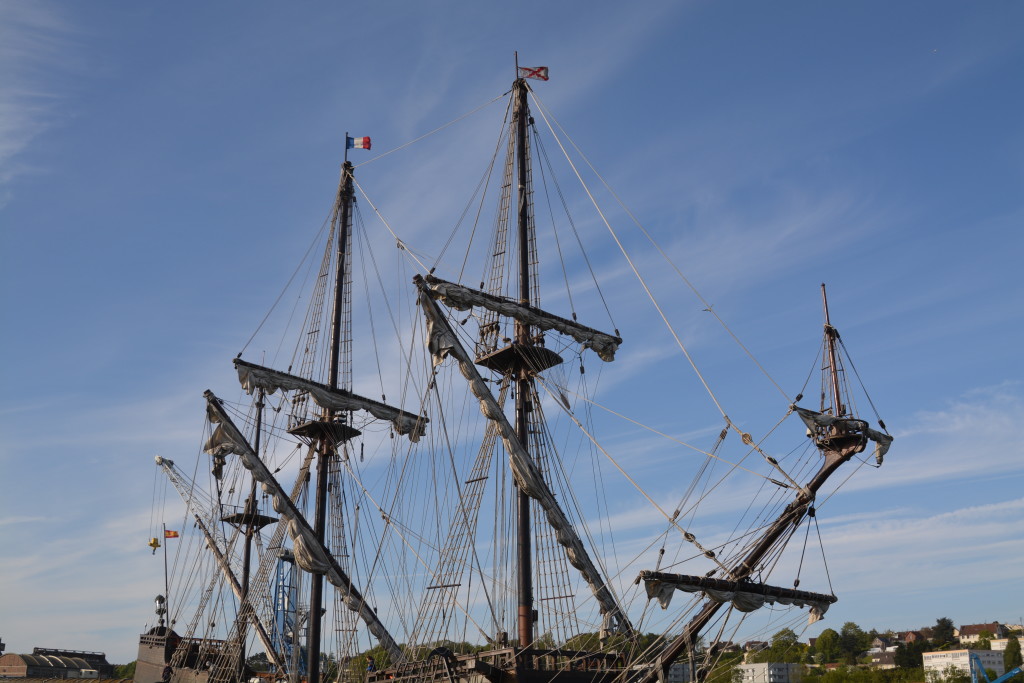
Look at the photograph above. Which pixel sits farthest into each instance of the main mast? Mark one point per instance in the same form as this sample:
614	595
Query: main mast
521	373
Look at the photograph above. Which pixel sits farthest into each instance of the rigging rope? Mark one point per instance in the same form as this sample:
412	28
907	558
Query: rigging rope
314	243
586	399
636	273
632	481
708	306
558	244
861	382
436	130
824	561
398	241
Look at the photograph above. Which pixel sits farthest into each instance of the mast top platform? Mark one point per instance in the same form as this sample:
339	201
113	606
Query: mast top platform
506	359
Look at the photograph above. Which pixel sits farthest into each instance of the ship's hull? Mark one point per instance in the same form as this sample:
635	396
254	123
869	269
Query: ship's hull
507	665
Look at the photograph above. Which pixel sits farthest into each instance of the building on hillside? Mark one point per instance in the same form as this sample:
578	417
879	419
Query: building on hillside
770	672
970	633
882	644
678	672
936	663
751	648
909	636
999	644
883	660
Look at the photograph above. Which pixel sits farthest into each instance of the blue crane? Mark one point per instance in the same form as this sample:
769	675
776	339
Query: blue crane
978	671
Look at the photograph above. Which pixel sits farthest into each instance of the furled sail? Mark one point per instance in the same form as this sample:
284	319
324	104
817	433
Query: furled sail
310	554
814	420
463	298
253	377
442	342
745	596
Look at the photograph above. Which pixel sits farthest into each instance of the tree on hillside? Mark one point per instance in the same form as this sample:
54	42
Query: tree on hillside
826	647
1012	658
863	675
644	646
258	662
784	648
128	670
942	632
852	641
908	655
950	674
724	668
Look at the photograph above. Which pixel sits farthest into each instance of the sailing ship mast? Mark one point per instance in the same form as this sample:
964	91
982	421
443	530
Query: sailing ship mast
517	363
519	370
328	449
838	437
325	433
512	348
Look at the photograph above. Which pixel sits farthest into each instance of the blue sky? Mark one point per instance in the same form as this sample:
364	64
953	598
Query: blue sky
158	161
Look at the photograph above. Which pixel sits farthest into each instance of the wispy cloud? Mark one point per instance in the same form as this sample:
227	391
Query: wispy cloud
34	41
24	519
969	439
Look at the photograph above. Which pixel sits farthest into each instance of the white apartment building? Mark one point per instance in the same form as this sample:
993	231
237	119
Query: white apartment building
936	663
678	672
1000	644
771	672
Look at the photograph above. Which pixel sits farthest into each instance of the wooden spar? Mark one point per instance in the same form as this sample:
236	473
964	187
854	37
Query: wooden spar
706	583
790	517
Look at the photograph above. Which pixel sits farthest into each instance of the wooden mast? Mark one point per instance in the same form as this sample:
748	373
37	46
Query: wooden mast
839	445
833	367
330	440
521	373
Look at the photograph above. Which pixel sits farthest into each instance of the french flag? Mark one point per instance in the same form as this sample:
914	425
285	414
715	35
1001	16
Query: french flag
358	143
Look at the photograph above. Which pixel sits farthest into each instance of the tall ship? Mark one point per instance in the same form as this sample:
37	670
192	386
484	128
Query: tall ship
468	490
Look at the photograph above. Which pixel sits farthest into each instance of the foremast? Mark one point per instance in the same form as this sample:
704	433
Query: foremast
838	436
